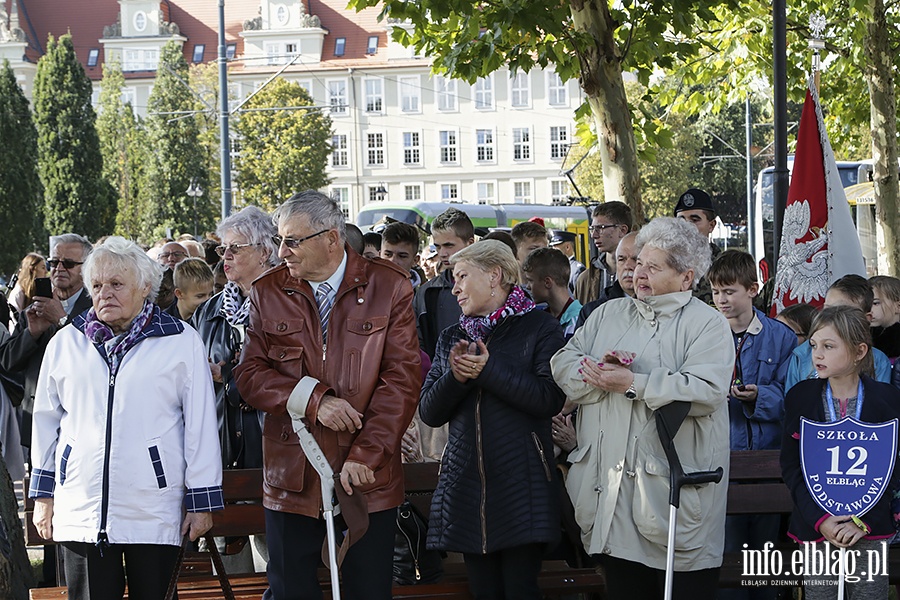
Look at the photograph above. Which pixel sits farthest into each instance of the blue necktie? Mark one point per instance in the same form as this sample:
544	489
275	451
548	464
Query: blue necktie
324	301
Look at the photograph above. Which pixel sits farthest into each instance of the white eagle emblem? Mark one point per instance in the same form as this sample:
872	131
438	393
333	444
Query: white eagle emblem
802	266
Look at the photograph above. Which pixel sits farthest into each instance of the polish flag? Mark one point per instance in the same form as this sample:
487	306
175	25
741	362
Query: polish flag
819	244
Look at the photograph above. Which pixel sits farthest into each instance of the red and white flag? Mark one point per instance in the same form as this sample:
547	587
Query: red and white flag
819	244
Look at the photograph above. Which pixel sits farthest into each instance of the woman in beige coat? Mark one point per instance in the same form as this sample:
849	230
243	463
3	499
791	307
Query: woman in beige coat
633	356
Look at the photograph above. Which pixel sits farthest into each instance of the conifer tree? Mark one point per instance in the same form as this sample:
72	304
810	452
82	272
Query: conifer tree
76	196
124	149
20	186
177	156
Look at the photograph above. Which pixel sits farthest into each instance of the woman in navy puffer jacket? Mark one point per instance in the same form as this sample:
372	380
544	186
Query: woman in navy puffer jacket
496	501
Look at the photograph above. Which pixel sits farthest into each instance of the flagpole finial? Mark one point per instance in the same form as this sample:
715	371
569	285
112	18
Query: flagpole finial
817	26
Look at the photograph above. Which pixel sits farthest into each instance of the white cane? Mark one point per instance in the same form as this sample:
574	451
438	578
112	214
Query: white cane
320	463
843	557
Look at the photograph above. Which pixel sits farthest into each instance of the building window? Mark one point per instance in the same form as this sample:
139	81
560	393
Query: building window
446	93
448	146
372	46
522	192
374	149
337	96
376	193
230	51
290	51
93	57
340	156
559	191
140	21
306	84
140	60
559	142
520	90
412	192
410	94
339	45
484	93
198	53
557	94
486	192
449	191
374	96
521	143
412	148
272	50
128	96
484	145
341	195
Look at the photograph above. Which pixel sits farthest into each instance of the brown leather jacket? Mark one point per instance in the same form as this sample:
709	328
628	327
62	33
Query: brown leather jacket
372	361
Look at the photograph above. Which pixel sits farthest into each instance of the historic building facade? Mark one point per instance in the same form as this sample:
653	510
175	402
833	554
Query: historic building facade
400	132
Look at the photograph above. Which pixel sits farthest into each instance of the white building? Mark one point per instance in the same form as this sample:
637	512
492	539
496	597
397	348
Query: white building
399	131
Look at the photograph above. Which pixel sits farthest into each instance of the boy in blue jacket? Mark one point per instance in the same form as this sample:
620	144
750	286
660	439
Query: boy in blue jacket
763	349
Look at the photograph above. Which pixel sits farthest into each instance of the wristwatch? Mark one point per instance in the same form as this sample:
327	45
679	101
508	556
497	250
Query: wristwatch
631	393
62	320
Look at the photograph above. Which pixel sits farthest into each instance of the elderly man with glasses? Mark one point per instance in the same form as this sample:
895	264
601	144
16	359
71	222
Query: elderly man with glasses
171	254
331	341
24	350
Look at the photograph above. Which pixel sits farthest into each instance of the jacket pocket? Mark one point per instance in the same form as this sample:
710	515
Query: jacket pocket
282	326
542	456
650	506
367	326
283	460
284	353
158	470
64	463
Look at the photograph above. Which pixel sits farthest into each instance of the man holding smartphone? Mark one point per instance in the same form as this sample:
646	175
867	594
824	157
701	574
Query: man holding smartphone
51	309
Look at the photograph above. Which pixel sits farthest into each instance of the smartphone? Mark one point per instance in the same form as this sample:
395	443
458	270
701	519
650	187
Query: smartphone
43	288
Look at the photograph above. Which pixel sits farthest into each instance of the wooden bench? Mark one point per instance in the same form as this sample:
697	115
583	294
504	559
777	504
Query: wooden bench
244	515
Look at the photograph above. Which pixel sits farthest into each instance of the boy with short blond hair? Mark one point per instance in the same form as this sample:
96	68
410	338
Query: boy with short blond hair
193	286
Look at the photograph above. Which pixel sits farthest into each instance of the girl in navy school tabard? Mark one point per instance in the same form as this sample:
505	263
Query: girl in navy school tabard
841	354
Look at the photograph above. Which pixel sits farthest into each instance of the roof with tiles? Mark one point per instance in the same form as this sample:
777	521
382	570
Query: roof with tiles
198	22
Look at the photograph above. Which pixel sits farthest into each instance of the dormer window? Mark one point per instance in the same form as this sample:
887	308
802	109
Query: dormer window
230	51
140	21
339	45
93	57
198	53
372	48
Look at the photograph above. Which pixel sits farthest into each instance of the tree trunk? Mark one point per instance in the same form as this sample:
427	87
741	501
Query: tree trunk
883	107
601	80
16	576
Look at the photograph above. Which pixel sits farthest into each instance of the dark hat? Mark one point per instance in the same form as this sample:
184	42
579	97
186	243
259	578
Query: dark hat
430	252
558	236
694	199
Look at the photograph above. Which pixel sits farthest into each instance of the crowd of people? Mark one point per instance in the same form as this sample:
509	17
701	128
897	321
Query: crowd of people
132	377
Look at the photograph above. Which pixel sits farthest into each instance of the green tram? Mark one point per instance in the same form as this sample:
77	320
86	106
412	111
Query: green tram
485	217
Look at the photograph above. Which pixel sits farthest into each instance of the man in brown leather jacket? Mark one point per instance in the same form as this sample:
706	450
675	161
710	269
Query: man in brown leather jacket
356	384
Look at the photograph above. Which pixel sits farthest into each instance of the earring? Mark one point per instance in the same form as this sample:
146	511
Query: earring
492	292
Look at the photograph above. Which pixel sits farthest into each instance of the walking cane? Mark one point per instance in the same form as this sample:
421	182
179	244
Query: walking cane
668	420
320	463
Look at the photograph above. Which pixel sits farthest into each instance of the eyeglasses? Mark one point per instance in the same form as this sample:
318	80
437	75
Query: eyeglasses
294	242
234	249
53	263
176	255
599	228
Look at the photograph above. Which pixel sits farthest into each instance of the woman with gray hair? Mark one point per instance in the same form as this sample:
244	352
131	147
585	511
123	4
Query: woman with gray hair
117	493
247	251
632	357
496	499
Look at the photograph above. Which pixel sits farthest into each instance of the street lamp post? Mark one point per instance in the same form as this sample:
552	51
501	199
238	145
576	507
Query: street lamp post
194	191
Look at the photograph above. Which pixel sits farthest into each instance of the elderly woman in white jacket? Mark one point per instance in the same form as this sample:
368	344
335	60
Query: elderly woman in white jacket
633	356
125	445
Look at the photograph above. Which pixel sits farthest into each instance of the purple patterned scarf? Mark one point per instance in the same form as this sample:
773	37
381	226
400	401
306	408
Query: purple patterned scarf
478	328
99	333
